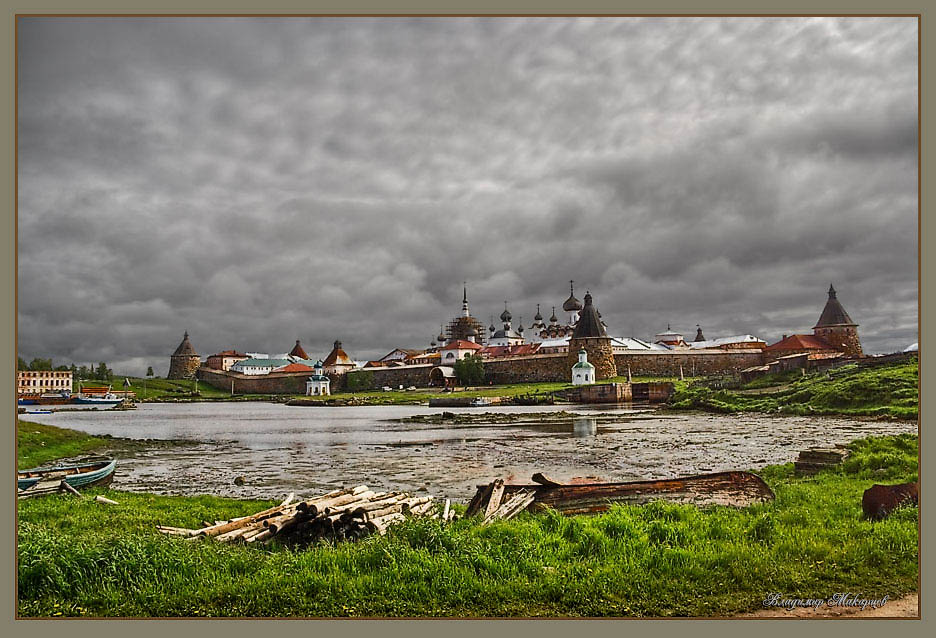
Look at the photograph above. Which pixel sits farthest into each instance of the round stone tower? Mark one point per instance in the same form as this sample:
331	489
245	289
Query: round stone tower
837	329
590	336
184	362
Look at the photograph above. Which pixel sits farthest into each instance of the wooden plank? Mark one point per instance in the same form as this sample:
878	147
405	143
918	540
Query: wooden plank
518	502
497	494
482	493
68	488
542	479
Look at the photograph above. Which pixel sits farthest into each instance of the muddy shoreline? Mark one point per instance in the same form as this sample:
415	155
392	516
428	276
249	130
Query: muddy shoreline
193	448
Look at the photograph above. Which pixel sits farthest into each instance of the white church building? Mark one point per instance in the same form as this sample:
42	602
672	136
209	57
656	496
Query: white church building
583	372
318	384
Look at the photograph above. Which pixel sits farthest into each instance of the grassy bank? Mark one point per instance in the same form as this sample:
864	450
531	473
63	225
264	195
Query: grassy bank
79	558
885	391
168	389
422	395
38	444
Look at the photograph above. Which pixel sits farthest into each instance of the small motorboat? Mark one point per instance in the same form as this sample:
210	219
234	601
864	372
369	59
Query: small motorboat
85	474
106	399
480	402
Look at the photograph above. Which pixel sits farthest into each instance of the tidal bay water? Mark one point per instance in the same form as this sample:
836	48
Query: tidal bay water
200	448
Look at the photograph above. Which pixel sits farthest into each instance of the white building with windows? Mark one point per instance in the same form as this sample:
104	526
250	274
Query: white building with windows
39	381
255	365
458	349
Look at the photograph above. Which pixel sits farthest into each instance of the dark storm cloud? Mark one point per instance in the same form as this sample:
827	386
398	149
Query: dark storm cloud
254	181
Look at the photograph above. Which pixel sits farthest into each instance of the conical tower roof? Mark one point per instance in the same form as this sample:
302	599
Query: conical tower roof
698	335
833	314
297	351
338	357
185	348
589	324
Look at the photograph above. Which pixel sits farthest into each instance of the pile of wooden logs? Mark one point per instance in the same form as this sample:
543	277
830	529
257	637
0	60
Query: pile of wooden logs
816	459
345	514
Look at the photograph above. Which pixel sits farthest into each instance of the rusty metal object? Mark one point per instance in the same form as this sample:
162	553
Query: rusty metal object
880	500
735	489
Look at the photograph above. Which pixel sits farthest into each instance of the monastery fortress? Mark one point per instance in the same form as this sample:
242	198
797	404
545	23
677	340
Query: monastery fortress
545	351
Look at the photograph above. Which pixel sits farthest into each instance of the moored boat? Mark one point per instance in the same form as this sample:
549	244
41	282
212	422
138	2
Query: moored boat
107	399
96	395
46	398
93	472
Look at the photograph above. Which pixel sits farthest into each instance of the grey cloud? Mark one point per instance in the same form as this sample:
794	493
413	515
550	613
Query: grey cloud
257	181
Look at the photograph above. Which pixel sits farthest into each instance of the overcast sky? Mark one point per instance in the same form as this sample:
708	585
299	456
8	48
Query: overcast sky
258	181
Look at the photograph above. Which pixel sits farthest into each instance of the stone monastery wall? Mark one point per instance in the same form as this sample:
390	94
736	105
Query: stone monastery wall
273	383
537	368
396	377
666	364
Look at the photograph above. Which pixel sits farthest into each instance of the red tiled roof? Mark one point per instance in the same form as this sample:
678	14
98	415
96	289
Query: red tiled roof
461	344
230	353
294	367
494	351
799	342
526	348
520	350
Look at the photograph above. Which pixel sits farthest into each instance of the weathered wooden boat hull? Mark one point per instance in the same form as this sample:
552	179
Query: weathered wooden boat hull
735	489
98	473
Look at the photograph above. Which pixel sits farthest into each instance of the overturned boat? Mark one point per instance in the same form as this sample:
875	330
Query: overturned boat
734	489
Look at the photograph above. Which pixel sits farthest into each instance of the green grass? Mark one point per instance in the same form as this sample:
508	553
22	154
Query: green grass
167	389
422	395
38	444
79	558
887	391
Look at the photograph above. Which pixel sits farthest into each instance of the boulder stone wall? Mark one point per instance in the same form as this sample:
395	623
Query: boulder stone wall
667	364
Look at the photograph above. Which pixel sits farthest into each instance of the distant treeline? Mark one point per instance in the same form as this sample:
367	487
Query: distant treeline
99	373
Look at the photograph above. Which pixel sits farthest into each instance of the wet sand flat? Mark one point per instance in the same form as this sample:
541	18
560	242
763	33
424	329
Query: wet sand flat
279	449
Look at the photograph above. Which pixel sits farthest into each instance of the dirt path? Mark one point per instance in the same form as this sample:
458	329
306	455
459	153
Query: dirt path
906	607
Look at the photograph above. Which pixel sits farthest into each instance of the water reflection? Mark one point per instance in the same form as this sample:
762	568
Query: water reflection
584	427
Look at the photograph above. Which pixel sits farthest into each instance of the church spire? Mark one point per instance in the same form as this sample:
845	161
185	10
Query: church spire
465	312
